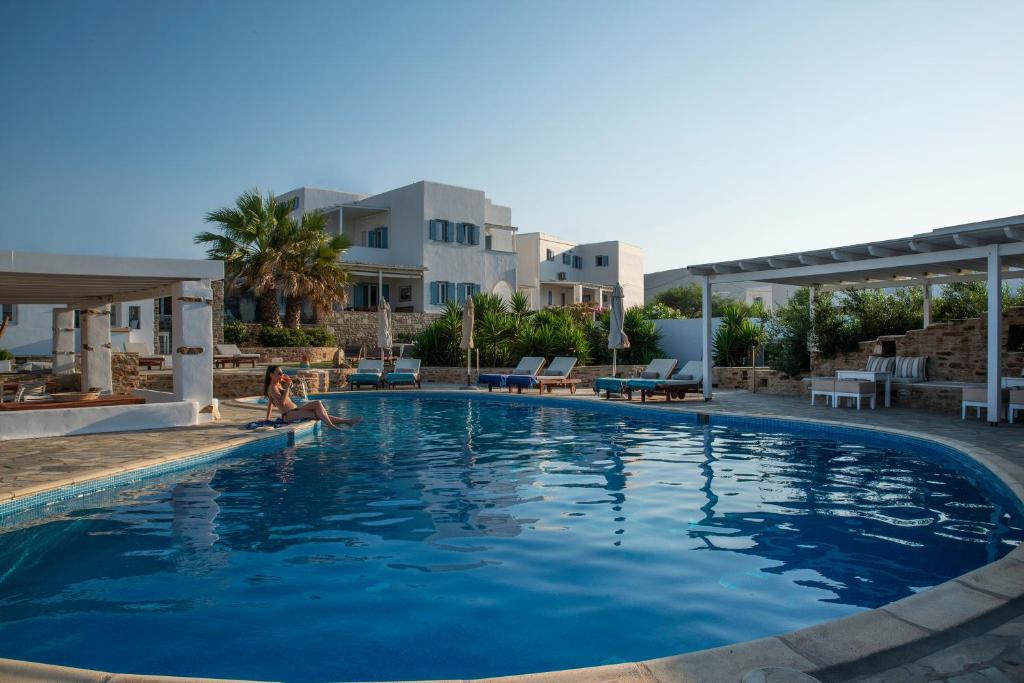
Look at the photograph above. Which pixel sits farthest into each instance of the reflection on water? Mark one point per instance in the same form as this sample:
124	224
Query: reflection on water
506	528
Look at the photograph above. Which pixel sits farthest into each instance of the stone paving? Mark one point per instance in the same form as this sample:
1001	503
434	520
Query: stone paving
983	650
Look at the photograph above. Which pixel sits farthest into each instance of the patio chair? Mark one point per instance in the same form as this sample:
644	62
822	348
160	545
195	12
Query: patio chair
369	372
528	365
690	377
824	386
1015	403
657	373
555	375
407	371
146	359
231	353
976	397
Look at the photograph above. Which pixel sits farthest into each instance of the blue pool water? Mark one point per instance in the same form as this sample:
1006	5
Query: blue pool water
448	538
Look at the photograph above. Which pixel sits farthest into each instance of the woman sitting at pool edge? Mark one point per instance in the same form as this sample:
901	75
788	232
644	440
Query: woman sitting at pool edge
277	387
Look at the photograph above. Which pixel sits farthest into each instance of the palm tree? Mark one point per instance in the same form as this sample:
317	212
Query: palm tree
253	246
313	269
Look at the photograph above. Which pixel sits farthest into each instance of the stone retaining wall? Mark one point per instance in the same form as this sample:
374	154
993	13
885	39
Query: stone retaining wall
760	379
356	328
293	354
957	350
125	370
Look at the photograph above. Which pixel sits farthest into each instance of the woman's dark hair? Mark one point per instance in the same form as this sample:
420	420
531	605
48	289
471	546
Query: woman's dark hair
271	369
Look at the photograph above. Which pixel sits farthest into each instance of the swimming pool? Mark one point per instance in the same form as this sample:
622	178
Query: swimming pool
449	537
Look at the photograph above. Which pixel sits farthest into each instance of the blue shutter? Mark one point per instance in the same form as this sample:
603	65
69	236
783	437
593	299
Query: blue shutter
476	289
460	233
357	295
434	289
460	292
382	238
435	232
449	231
474	233
451	290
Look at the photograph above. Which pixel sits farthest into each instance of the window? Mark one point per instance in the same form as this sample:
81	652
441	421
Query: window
488	242
551	255
758	301
405	293
113	315
566	259
9	312
466	290
550	297
376	238
601	261
577	262
442	231
134	317
563	298
586	298
472	233
442	292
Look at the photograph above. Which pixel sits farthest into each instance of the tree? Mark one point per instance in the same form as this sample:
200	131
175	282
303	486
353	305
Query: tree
688	300
252	245
312	270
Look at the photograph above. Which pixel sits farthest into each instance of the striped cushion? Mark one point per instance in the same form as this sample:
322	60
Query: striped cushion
911	367
880	363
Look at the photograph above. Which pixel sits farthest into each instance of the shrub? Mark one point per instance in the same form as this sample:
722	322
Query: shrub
688	300
644	339
236	332
658	311
6	355
281	336
736	337
787	330
318	336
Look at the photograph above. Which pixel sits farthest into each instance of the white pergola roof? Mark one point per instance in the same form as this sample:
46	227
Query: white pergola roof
948	254
37	278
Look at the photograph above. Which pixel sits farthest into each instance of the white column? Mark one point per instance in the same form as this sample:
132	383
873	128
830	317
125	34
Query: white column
706	329
927	304
577	294
63	341
995	328
192	343
96	370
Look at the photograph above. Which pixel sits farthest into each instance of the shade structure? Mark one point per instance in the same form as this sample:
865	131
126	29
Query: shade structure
468	317
384	338
617	338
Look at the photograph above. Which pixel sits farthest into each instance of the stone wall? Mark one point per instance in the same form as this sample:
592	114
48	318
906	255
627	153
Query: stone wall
218	311
356	328
293	354
957	350
760	379
125	370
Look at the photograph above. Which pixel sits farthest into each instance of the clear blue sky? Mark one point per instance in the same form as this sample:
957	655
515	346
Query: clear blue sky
700	131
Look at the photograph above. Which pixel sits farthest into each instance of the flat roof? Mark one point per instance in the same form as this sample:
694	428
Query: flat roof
39	278
948	254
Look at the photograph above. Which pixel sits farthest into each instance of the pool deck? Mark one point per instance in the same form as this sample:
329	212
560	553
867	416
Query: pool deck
969	629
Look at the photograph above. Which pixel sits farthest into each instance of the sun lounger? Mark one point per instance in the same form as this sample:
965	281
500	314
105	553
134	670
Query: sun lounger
659	368
688	378
528	365
656	375
230	353
146	359
368	373
407	371
555	375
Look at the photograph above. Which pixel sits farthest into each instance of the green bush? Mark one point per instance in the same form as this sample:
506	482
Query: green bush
736	338
787	330
236	332
286	336
6	355
318	336
688	300
644	339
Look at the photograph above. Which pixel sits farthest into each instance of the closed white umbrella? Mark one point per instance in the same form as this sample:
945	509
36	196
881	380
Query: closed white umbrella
468	316
384	339
617	338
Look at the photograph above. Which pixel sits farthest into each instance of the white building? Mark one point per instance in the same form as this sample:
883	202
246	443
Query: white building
556	272
420	245
29	331
768	294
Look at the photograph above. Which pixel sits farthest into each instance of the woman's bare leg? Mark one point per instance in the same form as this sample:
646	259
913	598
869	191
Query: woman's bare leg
350	421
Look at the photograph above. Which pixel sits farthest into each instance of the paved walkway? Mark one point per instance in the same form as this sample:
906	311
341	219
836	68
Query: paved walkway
985	649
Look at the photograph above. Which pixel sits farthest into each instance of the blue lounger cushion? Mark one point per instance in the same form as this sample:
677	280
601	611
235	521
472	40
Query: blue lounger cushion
609	384
364	378
492	380
647	384
527	381
401	378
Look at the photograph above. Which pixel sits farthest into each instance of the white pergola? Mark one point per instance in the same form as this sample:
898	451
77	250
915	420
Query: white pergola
89	284
992	251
